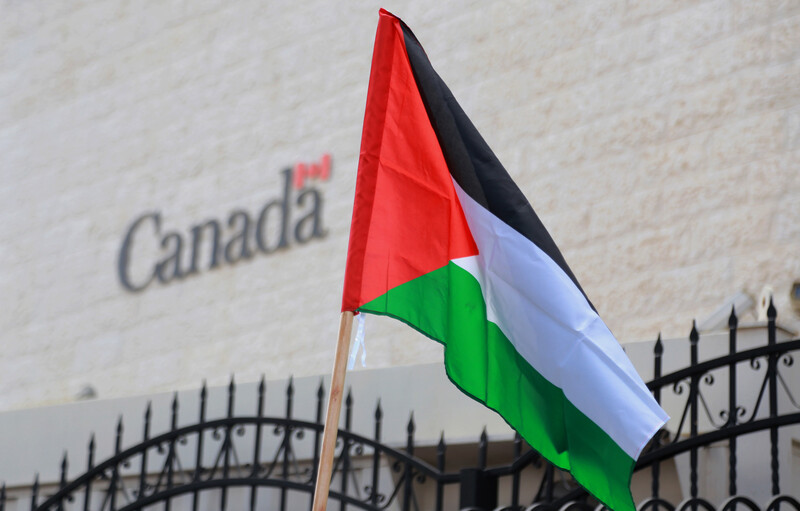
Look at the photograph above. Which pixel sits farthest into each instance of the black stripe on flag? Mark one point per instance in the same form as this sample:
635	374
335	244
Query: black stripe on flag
472	163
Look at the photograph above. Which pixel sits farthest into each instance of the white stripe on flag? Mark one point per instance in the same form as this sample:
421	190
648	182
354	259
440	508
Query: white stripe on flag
552	326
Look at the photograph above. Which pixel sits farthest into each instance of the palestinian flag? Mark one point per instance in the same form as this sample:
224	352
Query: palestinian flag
443	240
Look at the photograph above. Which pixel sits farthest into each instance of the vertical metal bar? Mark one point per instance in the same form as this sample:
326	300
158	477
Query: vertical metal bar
407	488
112	487
732	406
515	475
35	492
287	438
171	451
773	397
64	466
483	446
62	481
376	455
485	486
262	386
441	450
89	466
3	498
658	352
146	437
348	423
227	446
549	475
694	337
262	390
198	459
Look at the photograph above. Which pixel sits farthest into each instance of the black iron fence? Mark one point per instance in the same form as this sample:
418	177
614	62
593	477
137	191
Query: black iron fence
265	462
731	420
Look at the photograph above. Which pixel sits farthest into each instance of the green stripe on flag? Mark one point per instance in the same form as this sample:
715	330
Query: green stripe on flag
447	306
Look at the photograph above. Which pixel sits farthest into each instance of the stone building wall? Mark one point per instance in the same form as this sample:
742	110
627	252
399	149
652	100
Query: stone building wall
658	141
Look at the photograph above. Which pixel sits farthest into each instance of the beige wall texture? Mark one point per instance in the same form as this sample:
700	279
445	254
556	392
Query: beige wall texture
658	141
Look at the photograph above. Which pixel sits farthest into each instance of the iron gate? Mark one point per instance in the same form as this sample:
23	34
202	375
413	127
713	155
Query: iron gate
263	461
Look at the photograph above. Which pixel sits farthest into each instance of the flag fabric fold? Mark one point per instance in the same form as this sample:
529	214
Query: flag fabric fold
442	239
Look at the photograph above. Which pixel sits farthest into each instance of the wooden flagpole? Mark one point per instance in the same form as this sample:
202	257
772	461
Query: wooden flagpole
332	416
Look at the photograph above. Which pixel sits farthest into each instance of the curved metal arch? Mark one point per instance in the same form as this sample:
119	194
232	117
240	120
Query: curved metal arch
704	439
168	468
721	362
346	441
654	503
775	502
283	471
694	503
730	503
